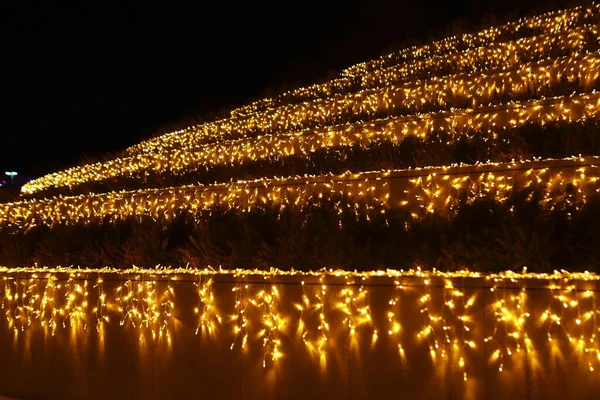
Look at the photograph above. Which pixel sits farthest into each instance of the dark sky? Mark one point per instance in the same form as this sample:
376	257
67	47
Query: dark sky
84	79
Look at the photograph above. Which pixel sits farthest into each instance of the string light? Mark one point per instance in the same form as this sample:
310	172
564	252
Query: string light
478	58
406	94
395	326
208	316
572	314
240	318
467	59
39	297
301	143
143	305
552	21
430	189
272	322
510	316
354	305
317	307
101	306
76	308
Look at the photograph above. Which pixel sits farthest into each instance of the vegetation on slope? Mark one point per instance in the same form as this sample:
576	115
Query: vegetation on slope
481	235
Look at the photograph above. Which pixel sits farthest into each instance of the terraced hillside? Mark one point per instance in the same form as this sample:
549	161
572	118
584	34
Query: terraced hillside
476	147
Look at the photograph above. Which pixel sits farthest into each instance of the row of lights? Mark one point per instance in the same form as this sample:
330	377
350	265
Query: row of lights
503	55
571	108
296	116
420	189
557	20
553	21
145	300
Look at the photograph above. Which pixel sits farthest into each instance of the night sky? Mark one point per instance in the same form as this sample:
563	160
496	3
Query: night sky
80	80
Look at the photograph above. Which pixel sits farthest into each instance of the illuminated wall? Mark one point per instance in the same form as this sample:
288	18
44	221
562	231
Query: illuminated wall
329	334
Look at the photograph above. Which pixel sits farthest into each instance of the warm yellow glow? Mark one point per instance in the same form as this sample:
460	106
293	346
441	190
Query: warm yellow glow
146	305
145	301
409	94
497	180
208	315
563	108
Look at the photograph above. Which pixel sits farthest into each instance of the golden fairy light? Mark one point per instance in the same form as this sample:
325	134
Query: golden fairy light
353	303
240	318
323	325
395	326
30	301
267	302
55	298
302	143
208	315
433	188
75	311
447	322
572	314
510	317
303	306
503	56
146	306
552	22
488	81
311	305
101	308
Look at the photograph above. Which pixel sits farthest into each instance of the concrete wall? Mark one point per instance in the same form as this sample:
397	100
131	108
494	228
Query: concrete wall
125	362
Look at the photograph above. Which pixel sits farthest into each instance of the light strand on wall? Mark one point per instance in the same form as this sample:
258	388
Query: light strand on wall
145	299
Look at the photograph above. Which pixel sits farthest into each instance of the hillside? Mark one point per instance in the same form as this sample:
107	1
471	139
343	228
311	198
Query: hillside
477	151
